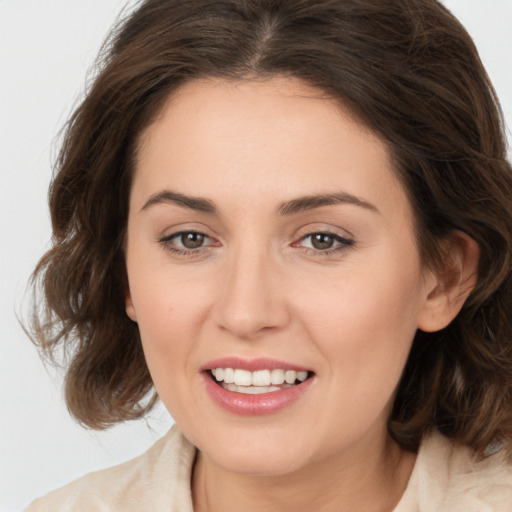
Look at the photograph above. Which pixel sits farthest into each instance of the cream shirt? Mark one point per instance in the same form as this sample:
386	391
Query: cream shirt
445	478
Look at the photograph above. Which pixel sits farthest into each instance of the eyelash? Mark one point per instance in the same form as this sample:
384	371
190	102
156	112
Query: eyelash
343	244
168	243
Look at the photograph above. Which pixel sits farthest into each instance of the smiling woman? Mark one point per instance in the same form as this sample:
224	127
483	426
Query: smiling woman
261	217
258	274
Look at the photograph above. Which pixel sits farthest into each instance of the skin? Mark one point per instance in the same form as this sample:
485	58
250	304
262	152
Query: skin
257	287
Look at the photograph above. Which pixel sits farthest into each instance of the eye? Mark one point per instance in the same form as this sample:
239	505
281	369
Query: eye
186	242
324	242
190	240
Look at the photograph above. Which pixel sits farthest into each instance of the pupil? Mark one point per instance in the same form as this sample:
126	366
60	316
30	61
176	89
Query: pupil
192	240
322	241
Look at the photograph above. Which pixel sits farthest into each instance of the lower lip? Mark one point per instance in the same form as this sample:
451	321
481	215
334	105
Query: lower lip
254	405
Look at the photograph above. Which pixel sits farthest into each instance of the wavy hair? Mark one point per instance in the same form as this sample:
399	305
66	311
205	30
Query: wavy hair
409	71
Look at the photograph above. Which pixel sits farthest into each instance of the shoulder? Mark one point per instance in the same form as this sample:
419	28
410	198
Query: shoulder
156	480
448	477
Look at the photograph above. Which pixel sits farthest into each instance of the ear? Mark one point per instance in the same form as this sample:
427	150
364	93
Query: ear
129	308
448	287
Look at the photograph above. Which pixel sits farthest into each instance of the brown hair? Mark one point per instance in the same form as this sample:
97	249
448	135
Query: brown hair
405	68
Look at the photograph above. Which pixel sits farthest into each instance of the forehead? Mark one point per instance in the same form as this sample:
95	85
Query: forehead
252	107
272	139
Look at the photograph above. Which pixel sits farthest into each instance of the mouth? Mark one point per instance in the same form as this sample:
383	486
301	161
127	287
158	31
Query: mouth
257	382
259	386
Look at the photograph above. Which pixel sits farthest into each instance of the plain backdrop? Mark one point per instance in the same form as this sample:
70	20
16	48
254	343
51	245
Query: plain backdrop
46	50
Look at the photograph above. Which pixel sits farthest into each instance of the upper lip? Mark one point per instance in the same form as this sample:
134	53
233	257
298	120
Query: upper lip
252	365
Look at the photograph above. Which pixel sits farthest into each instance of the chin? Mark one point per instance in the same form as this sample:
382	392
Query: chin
249	448
246	463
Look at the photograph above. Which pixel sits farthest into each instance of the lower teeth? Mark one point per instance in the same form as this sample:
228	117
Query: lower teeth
254	390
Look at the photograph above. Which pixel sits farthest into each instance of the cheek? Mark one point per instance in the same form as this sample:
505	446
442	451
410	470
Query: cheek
168	333
364	321
165	296
164	306
362	304
364	334
172	307
168	319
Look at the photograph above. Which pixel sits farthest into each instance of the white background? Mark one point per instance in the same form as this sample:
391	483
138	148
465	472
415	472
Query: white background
46	48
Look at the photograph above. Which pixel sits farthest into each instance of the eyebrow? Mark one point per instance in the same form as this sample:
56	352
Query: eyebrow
170	197
292	207
302	204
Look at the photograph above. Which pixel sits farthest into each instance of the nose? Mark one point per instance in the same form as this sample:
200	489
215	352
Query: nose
252	298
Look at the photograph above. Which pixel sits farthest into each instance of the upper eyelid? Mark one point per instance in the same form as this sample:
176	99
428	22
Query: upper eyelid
178	230
176	234
183	231
178	249
336	236
343	243
328	230
300	234
341	239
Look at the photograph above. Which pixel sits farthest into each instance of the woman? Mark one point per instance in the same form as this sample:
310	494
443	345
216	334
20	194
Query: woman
292	221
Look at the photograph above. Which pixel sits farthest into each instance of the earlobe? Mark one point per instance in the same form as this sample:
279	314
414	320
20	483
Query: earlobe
449	286
130	310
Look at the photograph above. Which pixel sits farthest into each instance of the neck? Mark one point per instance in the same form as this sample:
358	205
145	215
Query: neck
372	481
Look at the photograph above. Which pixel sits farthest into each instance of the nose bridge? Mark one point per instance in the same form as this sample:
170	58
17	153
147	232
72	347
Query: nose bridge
252	299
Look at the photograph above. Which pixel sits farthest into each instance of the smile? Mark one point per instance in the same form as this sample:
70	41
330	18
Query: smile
257	387
257	382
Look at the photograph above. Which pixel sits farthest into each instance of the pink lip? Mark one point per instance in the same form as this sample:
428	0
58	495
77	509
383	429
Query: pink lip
253	405
252	365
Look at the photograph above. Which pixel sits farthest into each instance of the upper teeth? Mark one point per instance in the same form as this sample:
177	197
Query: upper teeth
258	378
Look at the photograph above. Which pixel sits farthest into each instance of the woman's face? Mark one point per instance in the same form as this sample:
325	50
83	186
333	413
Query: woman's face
268	234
